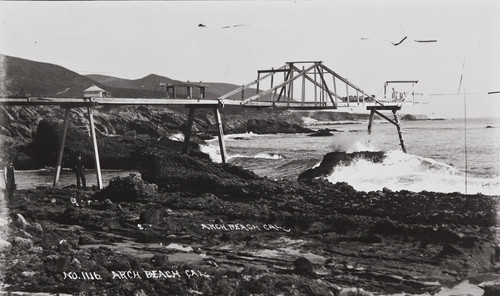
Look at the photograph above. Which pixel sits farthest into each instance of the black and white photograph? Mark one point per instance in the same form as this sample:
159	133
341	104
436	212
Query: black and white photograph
340	148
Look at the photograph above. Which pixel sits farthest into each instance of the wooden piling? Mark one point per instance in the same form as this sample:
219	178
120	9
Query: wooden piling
347	93
221	135
303	94
187	132
61	146
258	84
271	95
94	146
315	89
335	90
372	113
400	131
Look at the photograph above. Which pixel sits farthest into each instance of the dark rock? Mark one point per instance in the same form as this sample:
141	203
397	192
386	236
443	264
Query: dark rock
22	243
20	221
272	126
131	188
386	190
386	227
102	271
56	264
5	246
64	246
413	117
24	161
313	289
491	288
333	159
38	227
354	292
147	127
119	263
86	239
303	266
159	260
450	250
150	216
321	133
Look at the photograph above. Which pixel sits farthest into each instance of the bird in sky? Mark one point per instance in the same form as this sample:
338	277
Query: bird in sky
426	41
224	27
406	36
402	40
232	26
396	44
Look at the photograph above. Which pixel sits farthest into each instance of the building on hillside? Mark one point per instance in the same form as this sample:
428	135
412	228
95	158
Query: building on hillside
96	92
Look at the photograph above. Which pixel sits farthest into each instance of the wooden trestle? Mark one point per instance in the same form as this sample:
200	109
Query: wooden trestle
394	109
91	103
323	79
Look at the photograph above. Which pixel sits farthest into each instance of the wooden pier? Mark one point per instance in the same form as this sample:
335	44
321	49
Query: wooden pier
326	94
393	108
91	103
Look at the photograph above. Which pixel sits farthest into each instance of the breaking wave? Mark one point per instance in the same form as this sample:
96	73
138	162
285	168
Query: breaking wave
400	171
261	155
352	143
214	154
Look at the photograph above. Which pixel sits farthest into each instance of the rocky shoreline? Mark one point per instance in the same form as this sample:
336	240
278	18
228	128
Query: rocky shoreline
188	226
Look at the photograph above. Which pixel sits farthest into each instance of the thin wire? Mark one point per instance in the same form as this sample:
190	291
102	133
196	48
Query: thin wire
465	138
465	121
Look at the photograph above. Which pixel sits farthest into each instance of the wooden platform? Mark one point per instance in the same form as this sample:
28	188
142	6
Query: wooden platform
288	105
93	102
385	107
190	103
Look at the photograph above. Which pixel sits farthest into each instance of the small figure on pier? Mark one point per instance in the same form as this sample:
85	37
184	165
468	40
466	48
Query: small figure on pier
79	167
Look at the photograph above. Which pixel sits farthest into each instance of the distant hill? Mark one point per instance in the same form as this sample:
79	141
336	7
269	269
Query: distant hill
152	82
30	78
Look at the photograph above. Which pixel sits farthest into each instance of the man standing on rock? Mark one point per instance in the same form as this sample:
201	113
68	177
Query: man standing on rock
10	179
79	169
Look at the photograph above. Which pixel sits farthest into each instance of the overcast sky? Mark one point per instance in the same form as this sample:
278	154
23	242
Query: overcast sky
134	39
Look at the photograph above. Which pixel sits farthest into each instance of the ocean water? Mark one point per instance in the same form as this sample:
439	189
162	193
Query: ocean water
435	160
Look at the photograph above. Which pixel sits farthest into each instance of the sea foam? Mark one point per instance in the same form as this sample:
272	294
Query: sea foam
400	171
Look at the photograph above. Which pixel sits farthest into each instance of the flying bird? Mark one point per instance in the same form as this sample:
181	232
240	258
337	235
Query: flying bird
233	26
406	36
225	27
426	41
402	40
396	44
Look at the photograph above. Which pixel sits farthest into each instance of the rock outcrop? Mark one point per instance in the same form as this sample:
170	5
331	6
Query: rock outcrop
333	159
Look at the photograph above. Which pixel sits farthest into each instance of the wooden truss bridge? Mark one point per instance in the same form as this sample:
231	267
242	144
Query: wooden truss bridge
300	85
318	86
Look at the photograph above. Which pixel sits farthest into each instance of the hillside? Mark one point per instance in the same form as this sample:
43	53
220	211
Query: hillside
31	78
152	83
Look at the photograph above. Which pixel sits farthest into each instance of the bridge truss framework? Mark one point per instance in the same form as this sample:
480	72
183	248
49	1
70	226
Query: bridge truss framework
325	94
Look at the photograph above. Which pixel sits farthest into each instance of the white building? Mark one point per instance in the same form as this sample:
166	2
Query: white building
96	92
